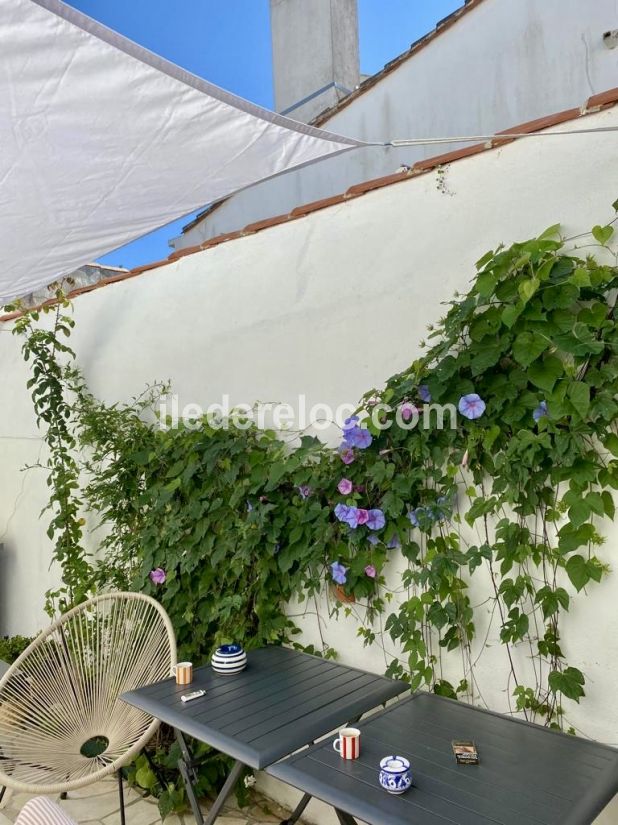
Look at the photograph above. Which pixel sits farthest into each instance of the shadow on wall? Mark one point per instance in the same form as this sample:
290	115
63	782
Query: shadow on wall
5	565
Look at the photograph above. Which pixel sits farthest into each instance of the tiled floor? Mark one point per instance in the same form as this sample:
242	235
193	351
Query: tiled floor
98	805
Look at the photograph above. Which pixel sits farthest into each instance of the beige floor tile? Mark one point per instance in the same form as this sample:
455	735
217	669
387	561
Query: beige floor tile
86	808
4	820
138	813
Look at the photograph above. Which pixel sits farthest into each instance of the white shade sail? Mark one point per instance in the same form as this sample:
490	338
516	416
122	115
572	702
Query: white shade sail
102	141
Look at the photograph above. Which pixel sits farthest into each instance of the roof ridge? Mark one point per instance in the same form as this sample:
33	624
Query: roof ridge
440	27
594	104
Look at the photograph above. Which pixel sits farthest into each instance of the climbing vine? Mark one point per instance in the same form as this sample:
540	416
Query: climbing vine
44	349
464	504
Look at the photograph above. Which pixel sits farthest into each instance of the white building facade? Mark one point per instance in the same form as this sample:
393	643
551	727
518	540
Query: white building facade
490	66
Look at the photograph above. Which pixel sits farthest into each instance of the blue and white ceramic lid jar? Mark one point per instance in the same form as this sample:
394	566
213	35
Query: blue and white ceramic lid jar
395	774
229	659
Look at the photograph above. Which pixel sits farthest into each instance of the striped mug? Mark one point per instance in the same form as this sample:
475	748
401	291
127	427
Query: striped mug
347	743
183	672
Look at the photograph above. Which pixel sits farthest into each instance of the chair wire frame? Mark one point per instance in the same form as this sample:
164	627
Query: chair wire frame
62	722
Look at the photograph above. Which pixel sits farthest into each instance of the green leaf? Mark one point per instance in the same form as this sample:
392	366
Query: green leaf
544	374
146	778
550	232
602	234
611	443
579	396
485	284
511	313
577	571
528	288
528	346
569	682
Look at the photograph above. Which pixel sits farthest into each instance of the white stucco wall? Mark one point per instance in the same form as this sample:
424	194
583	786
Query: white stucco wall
329	305
503	63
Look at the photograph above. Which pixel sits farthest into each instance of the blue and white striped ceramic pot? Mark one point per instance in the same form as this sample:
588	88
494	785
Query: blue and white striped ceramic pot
229	659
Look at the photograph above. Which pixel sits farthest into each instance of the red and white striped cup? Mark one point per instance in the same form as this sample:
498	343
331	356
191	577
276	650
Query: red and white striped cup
347	743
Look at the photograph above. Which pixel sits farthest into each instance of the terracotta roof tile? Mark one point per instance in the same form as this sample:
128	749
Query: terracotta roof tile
314	206
258	225
377	183
449	157
603	99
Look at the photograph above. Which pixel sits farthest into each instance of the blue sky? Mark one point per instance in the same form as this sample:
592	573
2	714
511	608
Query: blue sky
227	42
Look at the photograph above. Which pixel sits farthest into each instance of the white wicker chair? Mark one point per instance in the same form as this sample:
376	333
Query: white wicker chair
62	723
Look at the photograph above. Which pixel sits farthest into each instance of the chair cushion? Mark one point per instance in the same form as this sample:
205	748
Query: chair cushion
42	811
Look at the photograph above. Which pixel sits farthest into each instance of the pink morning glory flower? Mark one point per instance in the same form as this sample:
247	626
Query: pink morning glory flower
370	571
157	576
345	486
376	520
338	572
304	491
346	454
362	516
407	410
471	406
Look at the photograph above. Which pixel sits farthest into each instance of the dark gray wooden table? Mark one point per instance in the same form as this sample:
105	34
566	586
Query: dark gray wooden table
281	702
528	775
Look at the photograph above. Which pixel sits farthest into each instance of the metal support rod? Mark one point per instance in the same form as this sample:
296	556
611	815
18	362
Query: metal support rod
345	819
187	771
189	775
2	792
121	797
298	810
225	791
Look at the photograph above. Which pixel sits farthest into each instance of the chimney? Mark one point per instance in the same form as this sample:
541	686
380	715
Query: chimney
315	54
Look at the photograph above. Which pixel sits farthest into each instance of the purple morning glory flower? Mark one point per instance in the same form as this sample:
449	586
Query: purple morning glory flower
376	520
394	543
373	539
350	423
362	516
348	515
407	410
345	486
471	406
157	576
338	572
304	491
424	394
341	511
413	516
370	571
346	454
541	411
357	437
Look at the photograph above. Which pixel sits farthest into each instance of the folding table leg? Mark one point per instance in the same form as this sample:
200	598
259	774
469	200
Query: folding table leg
345	819
225	791
187	770
298	811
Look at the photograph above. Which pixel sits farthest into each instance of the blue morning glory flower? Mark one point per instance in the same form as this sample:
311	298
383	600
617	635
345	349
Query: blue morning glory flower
338	572
541	411
471	406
